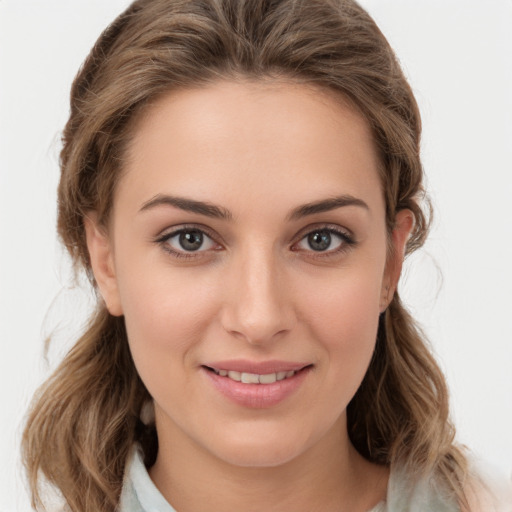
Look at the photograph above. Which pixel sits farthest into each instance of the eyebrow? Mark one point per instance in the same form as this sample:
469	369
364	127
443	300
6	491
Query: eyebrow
327	205
188	205
218	212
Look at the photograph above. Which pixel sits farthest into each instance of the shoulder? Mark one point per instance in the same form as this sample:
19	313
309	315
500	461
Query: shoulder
408	494
487	490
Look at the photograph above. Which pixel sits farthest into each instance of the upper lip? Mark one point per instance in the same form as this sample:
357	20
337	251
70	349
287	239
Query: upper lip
257	367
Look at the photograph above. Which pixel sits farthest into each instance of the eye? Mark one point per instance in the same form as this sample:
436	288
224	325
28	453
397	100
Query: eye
327	240
187	240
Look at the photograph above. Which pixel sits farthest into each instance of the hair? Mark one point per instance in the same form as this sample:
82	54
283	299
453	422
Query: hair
85	419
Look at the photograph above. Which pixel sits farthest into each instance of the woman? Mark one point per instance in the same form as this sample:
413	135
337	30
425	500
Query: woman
241	181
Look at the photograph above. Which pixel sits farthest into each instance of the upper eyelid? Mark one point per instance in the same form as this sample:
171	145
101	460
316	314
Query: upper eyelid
172	231
326	226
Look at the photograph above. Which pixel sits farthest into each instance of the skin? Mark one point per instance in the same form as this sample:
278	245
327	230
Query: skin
255	290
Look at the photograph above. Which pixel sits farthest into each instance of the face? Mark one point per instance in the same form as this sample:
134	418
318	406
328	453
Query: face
247	251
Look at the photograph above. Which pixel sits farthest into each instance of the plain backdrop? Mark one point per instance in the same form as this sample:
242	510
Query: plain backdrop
457	55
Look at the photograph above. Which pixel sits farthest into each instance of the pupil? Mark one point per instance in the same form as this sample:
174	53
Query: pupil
191	240
319	241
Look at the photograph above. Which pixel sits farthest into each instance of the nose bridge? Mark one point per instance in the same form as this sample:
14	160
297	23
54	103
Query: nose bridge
257	306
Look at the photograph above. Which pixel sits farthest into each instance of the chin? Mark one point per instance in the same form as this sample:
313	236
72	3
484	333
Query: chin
260	451
259	457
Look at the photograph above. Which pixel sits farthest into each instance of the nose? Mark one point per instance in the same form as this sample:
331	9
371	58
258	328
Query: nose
258	304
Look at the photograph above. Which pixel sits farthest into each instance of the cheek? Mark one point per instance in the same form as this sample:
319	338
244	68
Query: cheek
346	303
344	316
166	318
166	313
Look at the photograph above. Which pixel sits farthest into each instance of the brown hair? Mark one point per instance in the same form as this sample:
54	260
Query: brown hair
86	417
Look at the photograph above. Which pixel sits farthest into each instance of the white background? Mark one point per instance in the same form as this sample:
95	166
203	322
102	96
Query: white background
458	57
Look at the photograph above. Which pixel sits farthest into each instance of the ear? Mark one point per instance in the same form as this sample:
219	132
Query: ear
404	223
102	262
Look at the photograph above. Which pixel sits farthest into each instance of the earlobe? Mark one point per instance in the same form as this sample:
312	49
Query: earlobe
102	262
404	224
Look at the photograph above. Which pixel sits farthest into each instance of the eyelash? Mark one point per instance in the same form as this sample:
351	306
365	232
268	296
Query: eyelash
347	241
164	239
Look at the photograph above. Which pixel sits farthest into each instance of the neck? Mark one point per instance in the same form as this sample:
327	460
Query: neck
330	476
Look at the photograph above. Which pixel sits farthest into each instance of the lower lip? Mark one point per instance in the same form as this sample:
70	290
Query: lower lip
257	396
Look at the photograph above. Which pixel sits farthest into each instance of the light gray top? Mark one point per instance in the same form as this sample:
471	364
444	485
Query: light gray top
141	495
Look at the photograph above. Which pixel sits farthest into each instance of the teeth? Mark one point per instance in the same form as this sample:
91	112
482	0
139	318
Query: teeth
254	378
268	379
250	378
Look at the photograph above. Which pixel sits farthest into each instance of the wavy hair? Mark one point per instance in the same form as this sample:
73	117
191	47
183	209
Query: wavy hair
85	418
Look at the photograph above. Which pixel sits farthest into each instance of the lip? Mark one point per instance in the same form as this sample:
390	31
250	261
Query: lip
256	396
259	367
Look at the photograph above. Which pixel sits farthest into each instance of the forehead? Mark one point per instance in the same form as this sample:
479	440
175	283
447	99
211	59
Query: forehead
235	142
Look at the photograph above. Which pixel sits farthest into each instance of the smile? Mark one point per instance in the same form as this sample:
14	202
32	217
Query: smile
256	385
254	378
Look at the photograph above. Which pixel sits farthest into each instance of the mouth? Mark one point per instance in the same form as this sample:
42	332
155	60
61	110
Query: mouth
256	385
256	378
